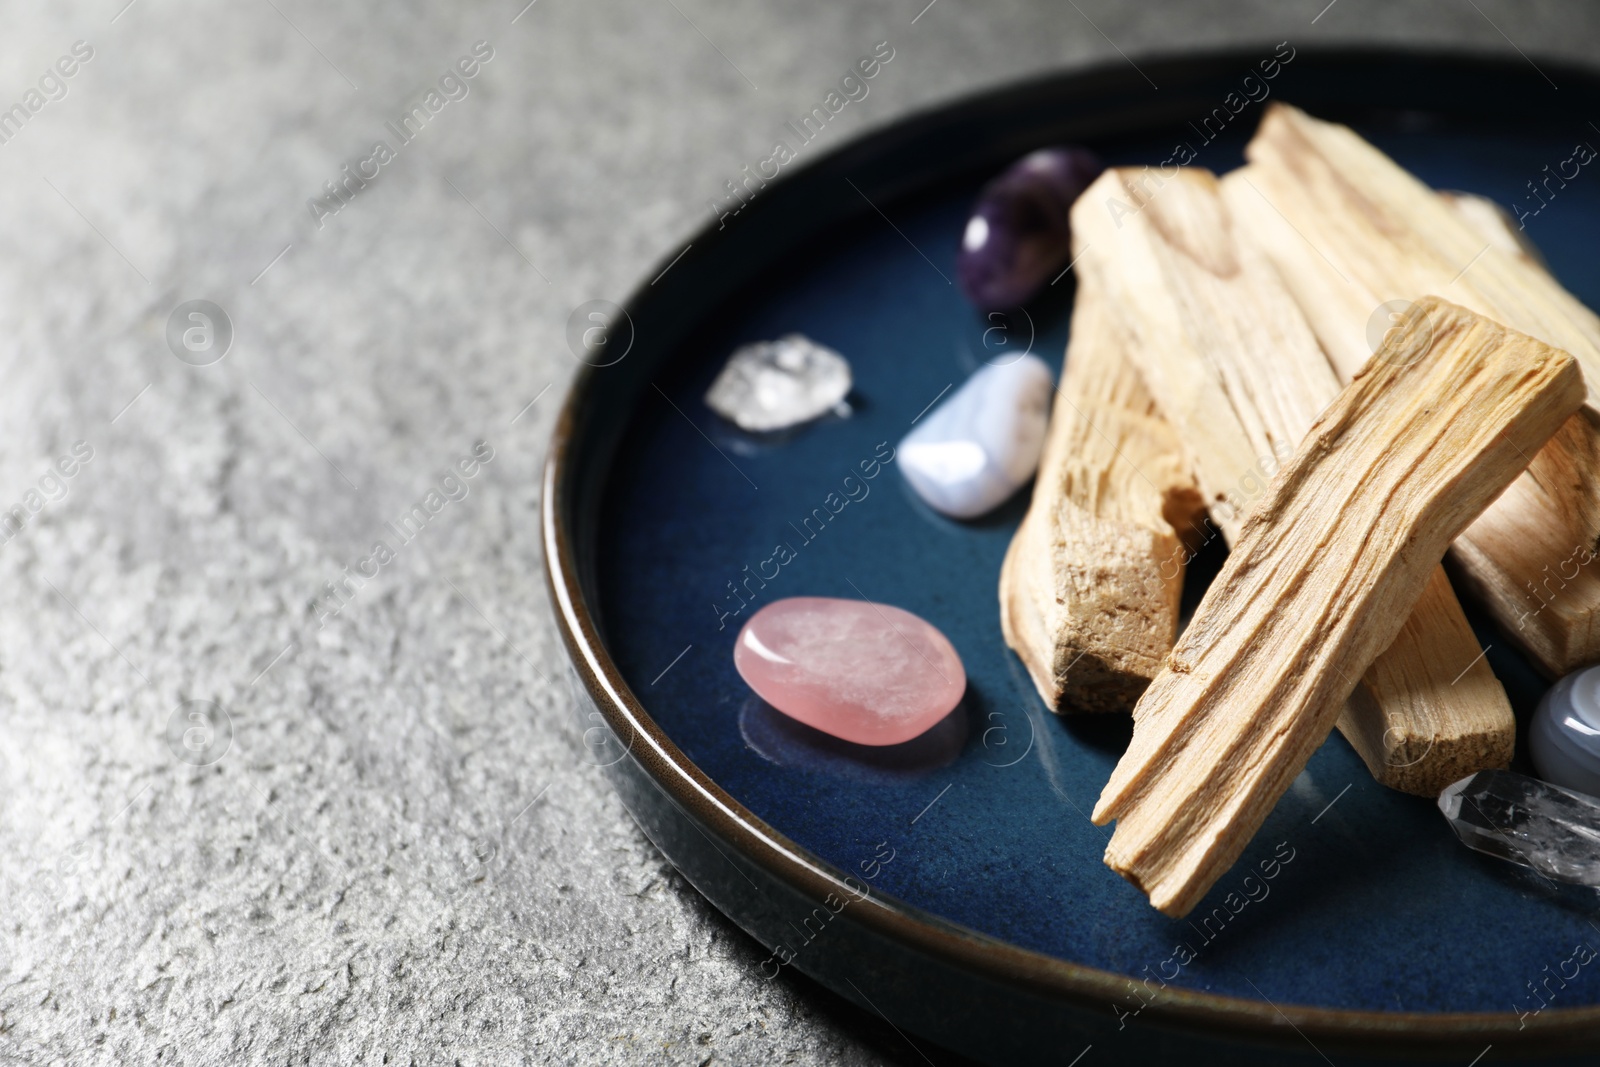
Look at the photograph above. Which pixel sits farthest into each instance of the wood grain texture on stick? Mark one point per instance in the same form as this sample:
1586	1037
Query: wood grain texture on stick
1326	570
1235	367
1090	585
1356	238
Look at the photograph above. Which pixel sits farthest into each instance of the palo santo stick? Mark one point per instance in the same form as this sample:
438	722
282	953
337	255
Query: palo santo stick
1090	585
1522	521
1325	573
1236	369
1350	231
1326	570
1494	224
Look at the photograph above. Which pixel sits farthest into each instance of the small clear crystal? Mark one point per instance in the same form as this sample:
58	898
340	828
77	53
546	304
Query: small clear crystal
772	385
1554	831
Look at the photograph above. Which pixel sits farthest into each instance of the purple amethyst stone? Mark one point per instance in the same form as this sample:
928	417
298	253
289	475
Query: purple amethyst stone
1019	234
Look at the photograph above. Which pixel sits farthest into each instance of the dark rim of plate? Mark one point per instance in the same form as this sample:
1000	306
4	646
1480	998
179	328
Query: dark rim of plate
1452	83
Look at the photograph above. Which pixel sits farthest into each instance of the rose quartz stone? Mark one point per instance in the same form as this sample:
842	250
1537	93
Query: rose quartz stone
867	673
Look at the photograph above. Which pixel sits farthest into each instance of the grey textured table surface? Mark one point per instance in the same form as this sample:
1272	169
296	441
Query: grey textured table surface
399	854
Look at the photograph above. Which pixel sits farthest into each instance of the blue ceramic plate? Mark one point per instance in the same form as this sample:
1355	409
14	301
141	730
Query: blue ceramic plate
955	884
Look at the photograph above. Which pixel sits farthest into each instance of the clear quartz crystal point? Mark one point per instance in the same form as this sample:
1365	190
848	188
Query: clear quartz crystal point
772	385
1554	831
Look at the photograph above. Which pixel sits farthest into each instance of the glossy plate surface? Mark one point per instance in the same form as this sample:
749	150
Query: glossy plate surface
674	527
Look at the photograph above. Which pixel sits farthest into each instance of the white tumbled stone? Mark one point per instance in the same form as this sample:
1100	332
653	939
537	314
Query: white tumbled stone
982	442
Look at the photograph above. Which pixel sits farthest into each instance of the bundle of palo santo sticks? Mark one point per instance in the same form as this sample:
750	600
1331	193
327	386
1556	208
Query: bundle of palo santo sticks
1345	376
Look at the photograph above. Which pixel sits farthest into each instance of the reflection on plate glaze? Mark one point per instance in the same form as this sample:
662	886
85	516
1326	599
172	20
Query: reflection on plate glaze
788	743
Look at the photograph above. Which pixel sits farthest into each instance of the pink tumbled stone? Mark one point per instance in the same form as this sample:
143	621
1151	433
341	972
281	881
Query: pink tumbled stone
867	673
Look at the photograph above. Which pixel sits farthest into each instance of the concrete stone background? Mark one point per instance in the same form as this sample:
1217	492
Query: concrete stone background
380	843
